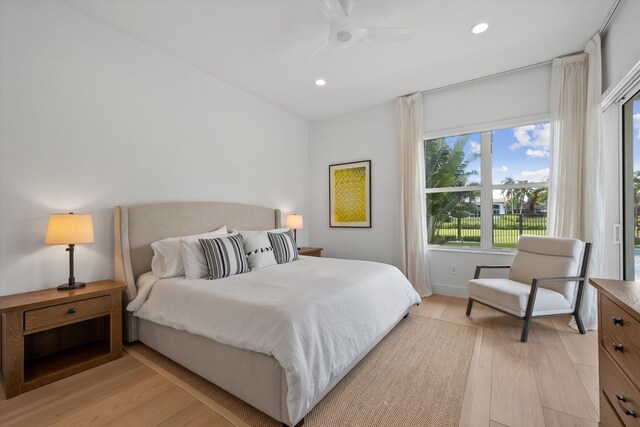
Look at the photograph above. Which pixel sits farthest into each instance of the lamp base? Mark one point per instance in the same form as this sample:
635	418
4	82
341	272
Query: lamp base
67	286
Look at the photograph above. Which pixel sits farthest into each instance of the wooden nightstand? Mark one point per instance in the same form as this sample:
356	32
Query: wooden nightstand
50	334
310	251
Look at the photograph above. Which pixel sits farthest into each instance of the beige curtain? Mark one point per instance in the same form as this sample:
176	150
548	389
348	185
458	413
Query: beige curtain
413	209
576	199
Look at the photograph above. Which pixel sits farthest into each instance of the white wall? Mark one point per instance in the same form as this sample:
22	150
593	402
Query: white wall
371	134
620	44
91	118
364	135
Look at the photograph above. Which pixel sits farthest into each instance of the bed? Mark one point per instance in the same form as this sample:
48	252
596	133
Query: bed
281	354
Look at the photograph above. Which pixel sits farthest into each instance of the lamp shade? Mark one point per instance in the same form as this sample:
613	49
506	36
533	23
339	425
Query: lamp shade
294	221
69	229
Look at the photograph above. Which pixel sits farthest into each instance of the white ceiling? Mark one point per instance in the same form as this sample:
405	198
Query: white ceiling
261	46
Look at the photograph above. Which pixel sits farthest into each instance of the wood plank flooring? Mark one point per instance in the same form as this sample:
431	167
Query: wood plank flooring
550	381
124	392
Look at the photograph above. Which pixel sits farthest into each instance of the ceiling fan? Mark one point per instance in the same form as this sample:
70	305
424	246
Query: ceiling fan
341	32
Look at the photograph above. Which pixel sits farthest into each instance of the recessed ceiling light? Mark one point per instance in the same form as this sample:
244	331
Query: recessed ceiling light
320	82
480	28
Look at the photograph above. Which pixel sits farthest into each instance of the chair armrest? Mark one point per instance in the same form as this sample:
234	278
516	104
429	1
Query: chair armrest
559	279
480	267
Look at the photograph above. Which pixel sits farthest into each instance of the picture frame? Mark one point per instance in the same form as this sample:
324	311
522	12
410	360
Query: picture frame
350	195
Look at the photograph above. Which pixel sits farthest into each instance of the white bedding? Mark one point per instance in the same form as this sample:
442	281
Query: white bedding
314	316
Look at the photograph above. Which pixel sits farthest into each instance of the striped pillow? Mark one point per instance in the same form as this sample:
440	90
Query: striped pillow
225	256
284	246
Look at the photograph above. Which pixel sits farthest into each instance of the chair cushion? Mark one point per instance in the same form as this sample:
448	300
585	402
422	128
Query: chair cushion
511	296
539	257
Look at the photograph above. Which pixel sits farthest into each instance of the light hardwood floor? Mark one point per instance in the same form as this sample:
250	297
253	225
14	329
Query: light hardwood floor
550	381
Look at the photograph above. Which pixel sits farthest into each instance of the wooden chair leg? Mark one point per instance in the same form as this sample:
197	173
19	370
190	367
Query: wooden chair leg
469	305
525	329
579	324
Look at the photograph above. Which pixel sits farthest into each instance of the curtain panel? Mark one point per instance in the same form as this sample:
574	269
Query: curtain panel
576	182
413	209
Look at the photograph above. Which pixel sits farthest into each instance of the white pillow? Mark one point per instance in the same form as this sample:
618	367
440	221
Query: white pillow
258	249
193	259
167	259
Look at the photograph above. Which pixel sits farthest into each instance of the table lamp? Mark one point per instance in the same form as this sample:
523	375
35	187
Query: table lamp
294	222
69	229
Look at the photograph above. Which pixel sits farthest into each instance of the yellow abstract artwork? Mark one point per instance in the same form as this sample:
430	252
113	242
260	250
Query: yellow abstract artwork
350	197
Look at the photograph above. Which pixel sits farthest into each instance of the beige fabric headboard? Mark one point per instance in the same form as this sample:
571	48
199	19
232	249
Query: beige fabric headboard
136	227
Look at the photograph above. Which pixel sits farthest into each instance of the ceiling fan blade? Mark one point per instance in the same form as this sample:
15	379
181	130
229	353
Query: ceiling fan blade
384	35
336	9
324	49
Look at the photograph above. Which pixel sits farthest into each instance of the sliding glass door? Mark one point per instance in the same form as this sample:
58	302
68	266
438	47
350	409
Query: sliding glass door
631	186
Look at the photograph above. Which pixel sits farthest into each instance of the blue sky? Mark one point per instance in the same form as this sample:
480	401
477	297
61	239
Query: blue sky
521	152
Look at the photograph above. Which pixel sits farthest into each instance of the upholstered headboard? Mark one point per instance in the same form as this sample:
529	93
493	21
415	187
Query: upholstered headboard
136	227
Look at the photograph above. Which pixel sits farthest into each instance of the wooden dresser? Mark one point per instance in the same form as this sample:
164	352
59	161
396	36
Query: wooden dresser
619	351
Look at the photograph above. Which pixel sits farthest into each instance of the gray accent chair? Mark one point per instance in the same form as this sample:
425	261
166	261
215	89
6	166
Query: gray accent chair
546	278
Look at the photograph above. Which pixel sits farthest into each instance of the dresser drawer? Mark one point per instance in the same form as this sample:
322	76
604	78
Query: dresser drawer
608	416
622	338
66	313
622	394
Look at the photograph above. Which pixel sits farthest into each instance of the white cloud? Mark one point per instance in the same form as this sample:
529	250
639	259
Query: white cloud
475	147
537	153
535	176
502	168
535	136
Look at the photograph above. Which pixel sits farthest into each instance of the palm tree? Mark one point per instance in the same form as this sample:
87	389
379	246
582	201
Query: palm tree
446	166
509	193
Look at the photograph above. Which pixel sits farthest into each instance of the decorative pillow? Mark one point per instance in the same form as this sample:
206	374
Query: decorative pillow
167	259
258	249
195	264
284	246
225	256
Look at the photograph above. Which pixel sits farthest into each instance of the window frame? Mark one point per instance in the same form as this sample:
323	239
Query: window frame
486	176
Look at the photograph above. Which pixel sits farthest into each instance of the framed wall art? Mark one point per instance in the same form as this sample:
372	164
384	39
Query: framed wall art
350	194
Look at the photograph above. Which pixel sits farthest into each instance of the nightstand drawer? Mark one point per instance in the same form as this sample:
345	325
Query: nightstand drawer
66	313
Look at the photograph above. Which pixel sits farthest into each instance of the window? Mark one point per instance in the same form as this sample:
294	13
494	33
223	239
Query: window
508	169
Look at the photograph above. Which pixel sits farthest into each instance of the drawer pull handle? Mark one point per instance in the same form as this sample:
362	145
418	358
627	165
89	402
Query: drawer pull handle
626	411
617	320
72	310
618	347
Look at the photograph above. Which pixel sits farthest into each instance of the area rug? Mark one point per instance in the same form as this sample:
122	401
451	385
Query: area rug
415	377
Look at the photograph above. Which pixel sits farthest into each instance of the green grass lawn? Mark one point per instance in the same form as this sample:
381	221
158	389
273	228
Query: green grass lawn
506	231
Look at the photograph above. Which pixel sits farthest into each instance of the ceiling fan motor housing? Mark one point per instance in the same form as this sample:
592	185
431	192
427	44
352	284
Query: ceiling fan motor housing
343	36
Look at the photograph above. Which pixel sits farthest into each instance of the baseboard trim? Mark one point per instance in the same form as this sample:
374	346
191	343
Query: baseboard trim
449	290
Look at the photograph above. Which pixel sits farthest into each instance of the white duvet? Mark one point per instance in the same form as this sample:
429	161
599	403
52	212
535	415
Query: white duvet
314	316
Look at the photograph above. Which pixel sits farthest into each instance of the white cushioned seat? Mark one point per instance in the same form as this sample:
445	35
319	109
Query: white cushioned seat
512	297
546	261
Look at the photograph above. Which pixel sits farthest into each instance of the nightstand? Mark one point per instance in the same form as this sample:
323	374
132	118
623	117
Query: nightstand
50	334
310	251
